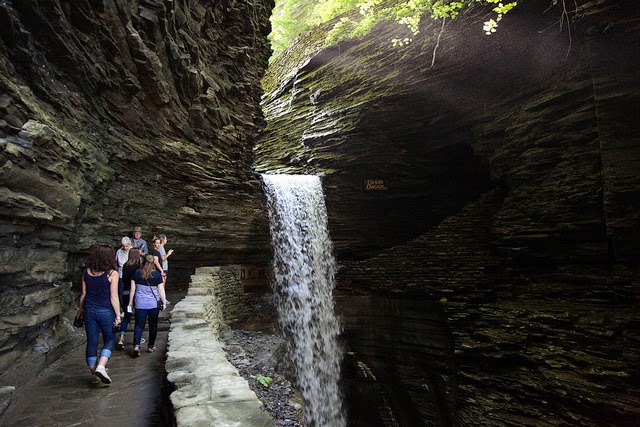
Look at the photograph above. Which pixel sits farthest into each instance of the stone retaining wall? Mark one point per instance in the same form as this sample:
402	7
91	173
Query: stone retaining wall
209	390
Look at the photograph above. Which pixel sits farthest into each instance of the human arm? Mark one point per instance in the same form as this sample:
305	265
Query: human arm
132	292
163	295
113	294
83	295
164	257
156	262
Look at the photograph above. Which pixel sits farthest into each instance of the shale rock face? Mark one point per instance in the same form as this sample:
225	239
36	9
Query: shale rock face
495	280
119	113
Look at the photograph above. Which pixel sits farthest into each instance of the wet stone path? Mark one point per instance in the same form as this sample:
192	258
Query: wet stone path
64	394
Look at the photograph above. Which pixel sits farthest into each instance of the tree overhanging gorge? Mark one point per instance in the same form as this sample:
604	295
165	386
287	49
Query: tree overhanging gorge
353	19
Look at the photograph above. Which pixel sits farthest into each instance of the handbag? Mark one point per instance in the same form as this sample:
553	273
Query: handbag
78	322
158	301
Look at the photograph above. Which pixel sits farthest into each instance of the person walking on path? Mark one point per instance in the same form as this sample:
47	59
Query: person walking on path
122	255
100	308
133	264
157	256
164	254
148	290
138	241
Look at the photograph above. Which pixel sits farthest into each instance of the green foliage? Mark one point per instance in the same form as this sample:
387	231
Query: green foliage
291	18
407	13
287	21
326	10
491	25
340	30
358	17
449	10
401	42
264	380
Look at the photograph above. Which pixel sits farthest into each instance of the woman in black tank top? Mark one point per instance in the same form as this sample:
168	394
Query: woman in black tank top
100	308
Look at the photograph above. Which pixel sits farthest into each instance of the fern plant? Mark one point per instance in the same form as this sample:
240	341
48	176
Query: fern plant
263	379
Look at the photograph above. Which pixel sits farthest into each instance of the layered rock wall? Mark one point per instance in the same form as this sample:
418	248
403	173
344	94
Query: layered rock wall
512	171
118	113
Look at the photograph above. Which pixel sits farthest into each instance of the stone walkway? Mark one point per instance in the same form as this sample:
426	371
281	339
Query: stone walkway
209	391
63	393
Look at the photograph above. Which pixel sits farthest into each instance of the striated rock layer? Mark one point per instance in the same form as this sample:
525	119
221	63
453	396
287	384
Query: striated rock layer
495	280
120	113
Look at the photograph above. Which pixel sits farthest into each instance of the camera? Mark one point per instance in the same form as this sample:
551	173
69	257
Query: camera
116	328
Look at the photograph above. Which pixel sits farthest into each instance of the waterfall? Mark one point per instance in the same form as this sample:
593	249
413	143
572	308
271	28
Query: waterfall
304	277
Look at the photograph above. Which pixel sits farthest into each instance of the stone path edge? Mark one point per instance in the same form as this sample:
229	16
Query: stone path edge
208	388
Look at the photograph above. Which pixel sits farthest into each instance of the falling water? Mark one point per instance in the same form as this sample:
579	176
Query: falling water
304	276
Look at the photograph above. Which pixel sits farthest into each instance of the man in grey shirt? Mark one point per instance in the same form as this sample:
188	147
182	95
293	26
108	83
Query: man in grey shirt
138	242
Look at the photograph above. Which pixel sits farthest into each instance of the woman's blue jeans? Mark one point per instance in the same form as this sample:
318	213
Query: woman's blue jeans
141	319
125	323
97	320
120	291
127	316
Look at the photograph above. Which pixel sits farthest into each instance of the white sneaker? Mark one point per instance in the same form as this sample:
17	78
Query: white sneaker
142	341
101	373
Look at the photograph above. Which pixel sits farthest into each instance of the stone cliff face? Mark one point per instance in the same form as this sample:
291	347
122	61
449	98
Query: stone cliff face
495	281
121	113
491	283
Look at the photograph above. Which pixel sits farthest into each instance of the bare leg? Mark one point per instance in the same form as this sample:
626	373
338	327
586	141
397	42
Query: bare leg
103	361
101	370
